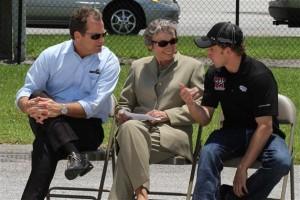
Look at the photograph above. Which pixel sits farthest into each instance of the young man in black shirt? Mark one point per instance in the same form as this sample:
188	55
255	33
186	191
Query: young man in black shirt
247	92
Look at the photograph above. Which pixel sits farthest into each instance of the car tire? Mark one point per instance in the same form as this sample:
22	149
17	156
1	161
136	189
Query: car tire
123	18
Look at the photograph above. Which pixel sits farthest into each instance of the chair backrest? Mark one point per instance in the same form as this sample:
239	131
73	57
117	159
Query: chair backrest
114	102
287	115
286	110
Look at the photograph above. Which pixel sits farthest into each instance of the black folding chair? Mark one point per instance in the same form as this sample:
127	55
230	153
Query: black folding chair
99	154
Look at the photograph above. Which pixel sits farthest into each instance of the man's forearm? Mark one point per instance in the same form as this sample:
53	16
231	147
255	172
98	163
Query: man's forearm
257	143
199	113
75	110
23	104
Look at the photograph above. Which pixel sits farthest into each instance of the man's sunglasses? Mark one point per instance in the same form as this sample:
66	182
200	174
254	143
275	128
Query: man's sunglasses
164	43
96	36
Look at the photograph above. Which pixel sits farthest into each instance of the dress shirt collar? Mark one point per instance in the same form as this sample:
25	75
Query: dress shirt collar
70	48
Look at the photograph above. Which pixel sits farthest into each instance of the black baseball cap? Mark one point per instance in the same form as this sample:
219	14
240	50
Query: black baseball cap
221	33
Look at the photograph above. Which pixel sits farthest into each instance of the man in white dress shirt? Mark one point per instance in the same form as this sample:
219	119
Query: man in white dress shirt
67	97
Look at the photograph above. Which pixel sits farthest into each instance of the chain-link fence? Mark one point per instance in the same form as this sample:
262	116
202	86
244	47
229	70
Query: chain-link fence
276	44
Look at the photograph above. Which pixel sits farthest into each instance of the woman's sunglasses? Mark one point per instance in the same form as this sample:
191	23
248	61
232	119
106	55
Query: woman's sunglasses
164	43
96	36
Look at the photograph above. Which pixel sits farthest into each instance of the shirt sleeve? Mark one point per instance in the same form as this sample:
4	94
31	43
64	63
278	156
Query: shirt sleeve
36	77
103	88
265	95
210	97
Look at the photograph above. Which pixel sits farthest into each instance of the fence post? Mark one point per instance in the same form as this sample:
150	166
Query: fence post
237	12
21	31
12	30
5	30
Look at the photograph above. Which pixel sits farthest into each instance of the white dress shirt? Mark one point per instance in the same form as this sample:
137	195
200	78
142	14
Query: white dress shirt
67	77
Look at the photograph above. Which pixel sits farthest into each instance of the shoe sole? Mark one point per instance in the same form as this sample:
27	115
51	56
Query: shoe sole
87	169
72	174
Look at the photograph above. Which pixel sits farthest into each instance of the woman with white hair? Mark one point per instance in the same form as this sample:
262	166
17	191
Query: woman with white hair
152	88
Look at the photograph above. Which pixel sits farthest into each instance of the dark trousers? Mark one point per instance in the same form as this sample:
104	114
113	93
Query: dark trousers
86	134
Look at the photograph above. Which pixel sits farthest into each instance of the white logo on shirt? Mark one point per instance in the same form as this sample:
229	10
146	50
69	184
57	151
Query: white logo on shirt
243	88
264	105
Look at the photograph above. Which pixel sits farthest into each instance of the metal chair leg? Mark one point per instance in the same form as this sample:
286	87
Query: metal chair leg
292	183
103	175
107	155
194	164
284	185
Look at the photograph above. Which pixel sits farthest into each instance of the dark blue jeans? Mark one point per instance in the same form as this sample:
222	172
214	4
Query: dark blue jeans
225	144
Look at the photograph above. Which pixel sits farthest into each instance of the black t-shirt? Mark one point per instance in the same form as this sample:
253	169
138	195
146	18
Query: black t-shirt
249	93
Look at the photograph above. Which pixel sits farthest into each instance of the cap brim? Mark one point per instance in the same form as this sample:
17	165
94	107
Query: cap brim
203	42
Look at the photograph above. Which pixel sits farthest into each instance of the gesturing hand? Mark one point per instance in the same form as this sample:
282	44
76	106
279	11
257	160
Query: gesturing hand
188	95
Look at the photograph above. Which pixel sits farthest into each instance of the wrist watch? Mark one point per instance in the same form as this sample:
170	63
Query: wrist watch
64	109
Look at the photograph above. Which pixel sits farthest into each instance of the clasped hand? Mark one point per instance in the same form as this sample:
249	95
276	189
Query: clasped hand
160	115
41	108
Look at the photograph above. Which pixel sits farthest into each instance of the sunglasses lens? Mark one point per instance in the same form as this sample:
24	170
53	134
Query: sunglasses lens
95	36
173	41
98	35
163	43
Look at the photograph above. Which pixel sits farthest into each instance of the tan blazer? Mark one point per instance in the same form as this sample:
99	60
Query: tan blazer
147	88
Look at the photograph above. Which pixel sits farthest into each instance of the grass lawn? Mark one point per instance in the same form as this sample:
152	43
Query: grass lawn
133	47
14	127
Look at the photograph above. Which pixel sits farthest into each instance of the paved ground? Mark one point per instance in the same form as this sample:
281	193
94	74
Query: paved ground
15	168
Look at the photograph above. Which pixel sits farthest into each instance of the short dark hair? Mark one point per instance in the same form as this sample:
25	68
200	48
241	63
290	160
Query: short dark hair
79	19
238	49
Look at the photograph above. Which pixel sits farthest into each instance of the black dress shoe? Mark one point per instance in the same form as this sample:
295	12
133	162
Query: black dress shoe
77	165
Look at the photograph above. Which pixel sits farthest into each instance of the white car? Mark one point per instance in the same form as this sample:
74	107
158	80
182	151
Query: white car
120	16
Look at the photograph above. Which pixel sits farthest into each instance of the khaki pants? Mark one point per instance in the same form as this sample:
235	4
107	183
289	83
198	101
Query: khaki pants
139	146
